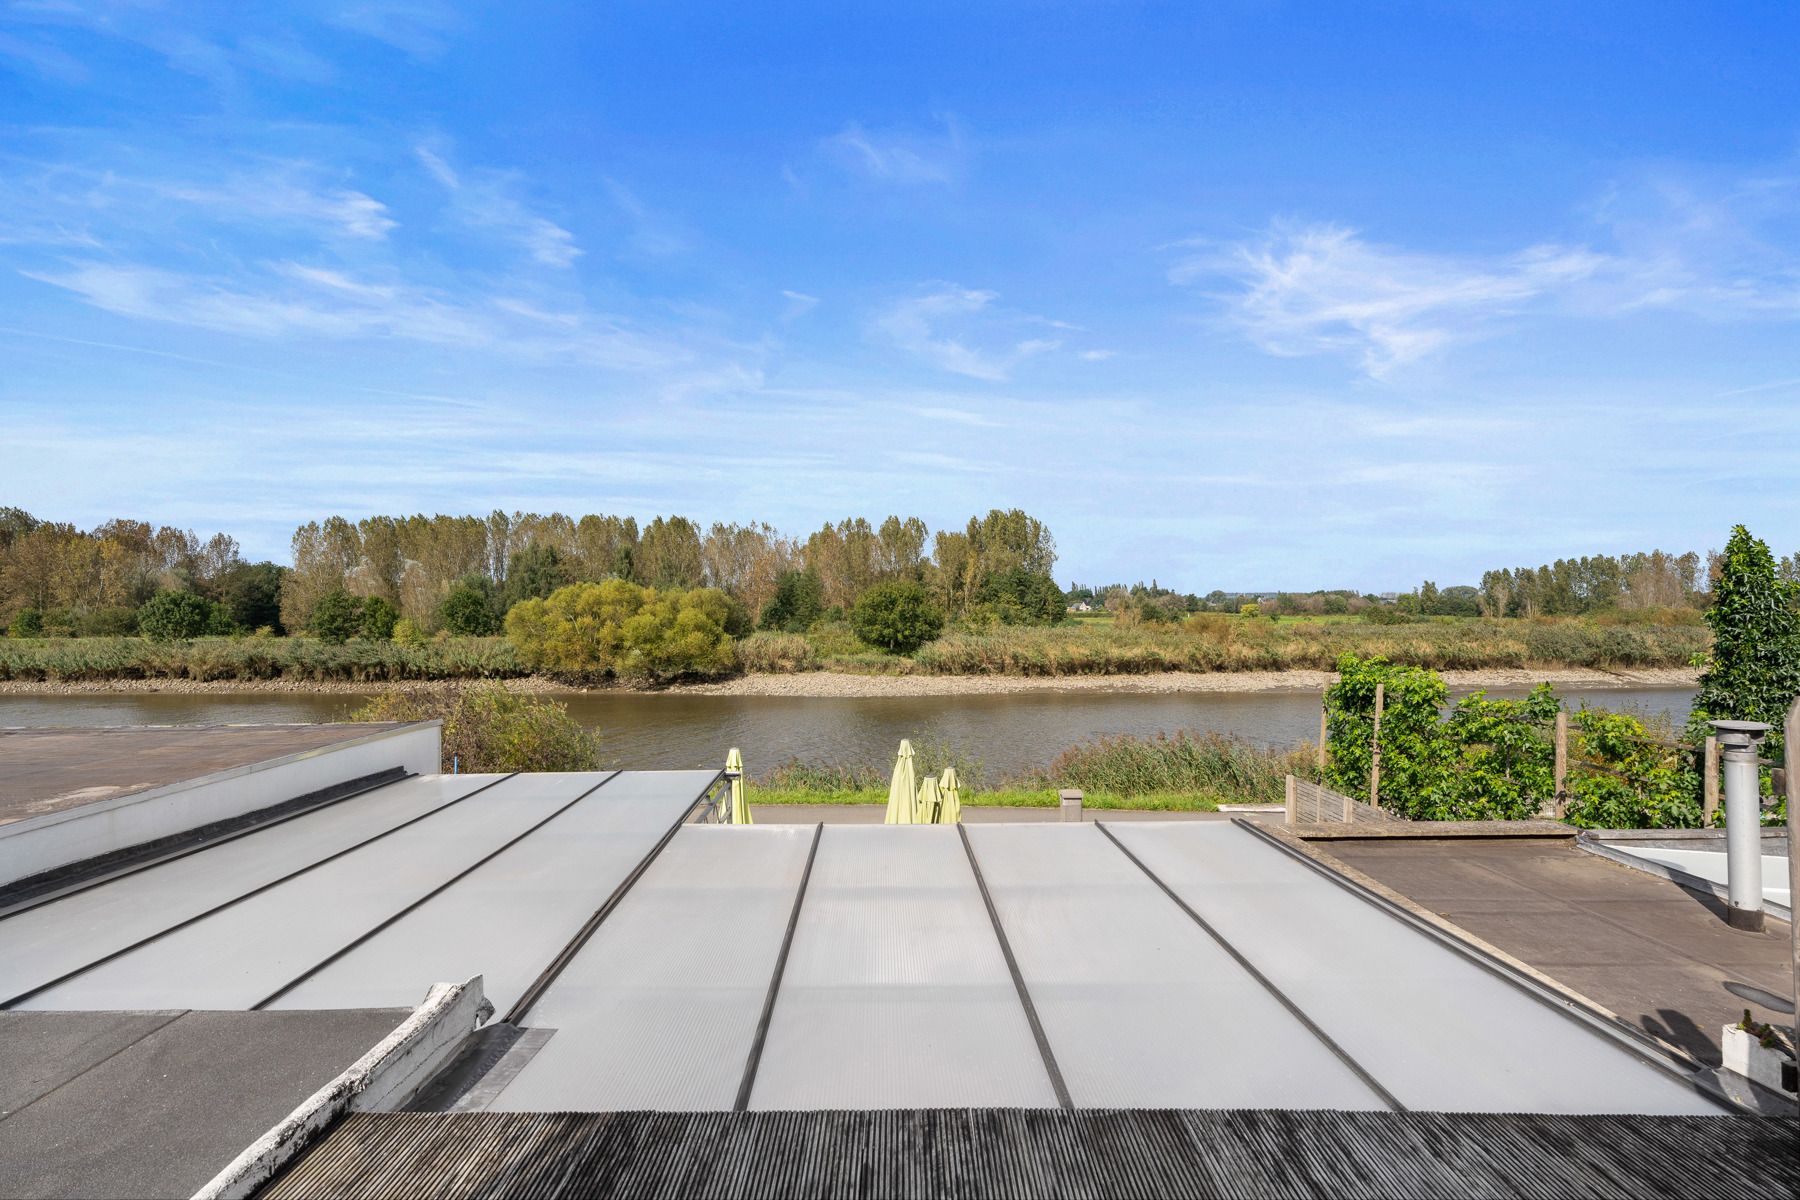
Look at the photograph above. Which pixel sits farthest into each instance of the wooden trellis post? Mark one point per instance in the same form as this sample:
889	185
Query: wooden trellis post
1790	758
1562	764
1293	802
1709	779
1374	753
1323	733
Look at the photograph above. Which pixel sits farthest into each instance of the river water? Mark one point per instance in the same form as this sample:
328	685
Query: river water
1005	734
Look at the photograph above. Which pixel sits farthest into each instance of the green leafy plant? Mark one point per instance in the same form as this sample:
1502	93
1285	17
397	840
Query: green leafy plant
26	623
469	609
898	617
1623	778
487	728
589	630
799	600
177	616
336	618
1753	671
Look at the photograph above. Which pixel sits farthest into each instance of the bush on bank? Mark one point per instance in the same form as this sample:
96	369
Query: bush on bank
615	628
487	728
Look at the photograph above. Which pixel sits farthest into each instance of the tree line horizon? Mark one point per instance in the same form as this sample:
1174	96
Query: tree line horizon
463	573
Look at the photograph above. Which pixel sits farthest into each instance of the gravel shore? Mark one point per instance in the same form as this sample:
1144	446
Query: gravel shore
828	684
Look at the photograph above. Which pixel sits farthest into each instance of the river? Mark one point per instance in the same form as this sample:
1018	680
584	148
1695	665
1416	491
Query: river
1005	734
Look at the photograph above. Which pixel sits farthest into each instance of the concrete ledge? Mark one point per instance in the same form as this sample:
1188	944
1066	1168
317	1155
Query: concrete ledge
56	839
1400	830
380	1081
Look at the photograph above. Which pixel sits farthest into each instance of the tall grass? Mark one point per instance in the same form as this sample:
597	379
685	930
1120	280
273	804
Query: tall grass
294	658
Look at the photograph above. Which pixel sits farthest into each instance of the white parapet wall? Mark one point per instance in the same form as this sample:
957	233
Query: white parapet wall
58	839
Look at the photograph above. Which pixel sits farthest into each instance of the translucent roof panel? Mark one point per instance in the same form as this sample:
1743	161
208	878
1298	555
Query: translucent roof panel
1437	1030
508	918
1140	1006
896	993
659	1009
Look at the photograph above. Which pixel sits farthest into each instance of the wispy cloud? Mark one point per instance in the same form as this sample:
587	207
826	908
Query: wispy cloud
421	28
895	156
485	202
941	325
1315	289
798	304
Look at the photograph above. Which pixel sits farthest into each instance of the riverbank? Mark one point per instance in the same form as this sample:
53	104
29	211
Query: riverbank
845	685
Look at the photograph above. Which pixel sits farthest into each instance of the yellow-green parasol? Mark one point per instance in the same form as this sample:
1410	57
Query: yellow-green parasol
902	805
734	771
928	801
950	798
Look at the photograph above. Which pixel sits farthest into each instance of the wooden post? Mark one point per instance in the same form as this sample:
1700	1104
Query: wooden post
1791	757
1293	802
1561	802
1374	752
1323	735
1709	780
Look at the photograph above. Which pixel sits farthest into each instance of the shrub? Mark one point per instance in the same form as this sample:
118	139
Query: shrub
250	594
407	633
618	628
487	728
1021	597
898	617
1637	785
775	653
26	623
336	618
799	600
108	622
469	609
378	619
176	616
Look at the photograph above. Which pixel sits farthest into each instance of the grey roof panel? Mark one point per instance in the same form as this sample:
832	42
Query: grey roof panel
659	1009
1437	1030
48	941
237	956
896	994
1140	1006
510	916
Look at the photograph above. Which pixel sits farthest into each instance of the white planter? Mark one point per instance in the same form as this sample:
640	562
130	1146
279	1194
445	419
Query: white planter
1746	1055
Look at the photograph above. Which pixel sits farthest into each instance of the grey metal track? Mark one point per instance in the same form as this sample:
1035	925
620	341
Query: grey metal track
1281	997
313	970
239	899
1012	966
761	1036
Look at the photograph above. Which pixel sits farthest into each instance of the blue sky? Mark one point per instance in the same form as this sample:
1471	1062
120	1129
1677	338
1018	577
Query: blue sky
1231	295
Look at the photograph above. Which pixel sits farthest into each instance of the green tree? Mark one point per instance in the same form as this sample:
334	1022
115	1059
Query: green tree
532	574
618	628
336	617
251	594
176	616
468	611
897	616
26	623
378	618
1753	671
1017	596
799	600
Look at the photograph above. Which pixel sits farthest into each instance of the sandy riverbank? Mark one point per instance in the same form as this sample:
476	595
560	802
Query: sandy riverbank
829	684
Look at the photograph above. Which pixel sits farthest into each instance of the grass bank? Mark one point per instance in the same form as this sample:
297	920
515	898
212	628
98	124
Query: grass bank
1166	773
1211	644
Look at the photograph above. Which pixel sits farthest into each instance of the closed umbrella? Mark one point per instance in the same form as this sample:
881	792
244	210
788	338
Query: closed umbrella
950	798
902	806
928	801
734	771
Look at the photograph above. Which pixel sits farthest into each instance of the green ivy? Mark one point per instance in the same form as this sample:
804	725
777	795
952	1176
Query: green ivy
1640	785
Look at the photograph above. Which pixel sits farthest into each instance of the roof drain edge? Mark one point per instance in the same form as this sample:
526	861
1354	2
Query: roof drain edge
761	1037
1051	1067
1299	1014
301	978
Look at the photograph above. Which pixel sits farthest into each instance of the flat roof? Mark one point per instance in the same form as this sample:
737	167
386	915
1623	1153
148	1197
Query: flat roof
1653	953
51	770
155	1103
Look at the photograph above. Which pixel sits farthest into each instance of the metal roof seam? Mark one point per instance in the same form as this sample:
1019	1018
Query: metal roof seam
301	978
1268	984
1632	1040
383	779
761	1036
1051	1067
197	917
516	1015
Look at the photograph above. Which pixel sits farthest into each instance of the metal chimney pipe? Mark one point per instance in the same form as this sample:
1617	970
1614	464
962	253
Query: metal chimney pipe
1743	821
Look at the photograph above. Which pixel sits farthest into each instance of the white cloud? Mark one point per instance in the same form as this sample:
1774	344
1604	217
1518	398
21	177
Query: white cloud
798	304
1323	289
897	157
485	202
941	325
1098	355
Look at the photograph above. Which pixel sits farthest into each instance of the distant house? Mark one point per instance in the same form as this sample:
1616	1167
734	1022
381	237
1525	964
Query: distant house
1081	606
